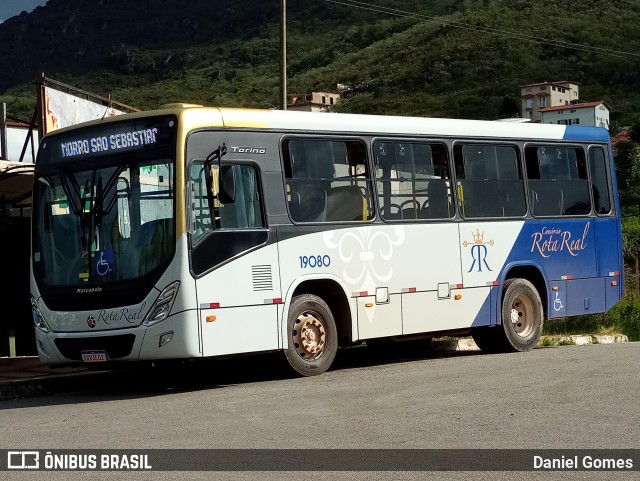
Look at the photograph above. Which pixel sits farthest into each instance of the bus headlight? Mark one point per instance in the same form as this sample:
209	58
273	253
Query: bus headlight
38	318
162	307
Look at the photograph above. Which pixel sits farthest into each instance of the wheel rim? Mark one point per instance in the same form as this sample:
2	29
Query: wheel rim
309	335
522	315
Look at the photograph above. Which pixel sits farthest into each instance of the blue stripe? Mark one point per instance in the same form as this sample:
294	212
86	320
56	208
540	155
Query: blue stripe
580	132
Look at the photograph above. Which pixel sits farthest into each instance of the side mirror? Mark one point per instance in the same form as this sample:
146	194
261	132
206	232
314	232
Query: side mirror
227	187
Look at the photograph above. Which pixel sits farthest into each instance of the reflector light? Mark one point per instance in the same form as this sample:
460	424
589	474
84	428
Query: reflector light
369	304
457	297
555	288
614	283
211	318
459	286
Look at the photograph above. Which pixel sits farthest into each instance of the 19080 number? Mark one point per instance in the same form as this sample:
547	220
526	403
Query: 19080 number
314	261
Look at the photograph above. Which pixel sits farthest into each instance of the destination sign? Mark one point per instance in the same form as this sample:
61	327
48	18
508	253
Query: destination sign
104	143
106	139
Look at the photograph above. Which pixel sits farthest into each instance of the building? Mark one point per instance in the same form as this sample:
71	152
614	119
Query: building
313	102
546	94
588	113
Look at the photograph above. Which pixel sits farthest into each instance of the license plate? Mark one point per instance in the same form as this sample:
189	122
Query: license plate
94	356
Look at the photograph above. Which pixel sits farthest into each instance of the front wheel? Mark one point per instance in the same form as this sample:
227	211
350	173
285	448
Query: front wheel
522	320
312	335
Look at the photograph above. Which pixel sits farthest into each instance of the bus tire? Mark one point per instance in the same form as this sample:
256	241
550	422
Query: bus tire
522	320
312	335
522	315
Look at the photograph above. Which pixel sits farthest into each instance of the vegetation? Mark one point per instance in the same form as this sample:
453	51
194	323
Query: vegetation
440	58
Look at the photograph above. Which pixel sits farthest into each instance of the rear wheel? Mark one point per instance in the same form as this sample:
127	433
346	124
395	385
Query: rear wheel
312	335
522	320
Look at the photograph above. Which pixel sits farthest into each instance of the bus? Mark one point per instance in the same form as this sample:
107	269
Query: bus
192	232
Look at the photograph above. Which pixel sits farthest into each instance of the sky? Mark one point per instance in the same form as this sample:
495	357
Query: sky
9	8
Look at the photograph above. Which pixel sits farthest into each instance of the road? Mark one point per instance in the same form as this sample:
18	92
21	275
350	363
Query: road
556	398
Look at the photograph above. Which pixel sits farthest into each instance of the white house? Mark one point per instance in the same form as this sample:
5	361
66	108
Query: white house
588	113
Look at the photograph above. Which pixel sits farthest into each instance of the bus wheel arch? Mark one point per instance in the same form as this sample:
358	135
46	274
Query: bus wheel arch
535	277
333	294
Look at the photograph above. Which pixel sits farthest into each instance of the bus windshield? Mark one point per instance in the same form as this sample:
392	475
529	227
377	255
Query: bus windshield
99	225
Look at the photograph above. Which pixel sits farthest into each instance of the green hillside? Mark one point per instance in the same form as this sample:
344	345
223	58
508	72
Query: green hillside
439	58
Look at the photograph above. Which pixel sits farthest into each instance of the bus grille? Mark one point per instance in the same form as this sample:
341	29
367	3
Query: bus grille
115	346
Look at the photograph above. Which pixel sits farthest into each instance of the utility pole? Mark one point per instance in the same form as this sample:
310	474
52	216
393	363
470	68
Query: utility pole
283	54
3	131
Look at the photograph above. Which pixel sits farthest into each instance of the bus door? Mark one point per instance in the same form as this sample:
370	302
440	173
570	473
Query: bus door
415	193
235	265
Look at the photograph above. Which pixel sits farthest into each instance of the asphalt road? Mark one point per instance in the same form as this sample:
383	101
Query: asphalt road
558	398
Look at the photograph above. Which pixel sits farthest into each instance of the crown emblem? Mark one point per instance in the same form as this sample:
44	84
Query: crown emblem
478	239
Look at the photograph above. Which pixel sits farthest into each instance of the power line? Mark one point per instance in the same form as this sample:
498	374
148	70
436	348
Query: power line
532	38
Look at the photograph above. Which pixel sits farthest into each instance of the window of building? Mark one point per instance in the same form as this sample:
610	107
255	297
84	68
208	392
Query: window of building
558	182
542	101
327	180
324	99
528	103
489	181
553	88
543	87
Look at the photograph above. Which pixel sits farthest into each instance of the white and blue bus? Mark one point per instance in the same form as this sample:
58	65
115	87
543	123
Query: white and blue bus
193	232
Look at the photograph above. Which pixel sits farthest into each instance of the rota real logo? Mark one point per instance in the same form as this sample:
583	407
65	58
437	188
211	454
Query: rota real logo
551	240
479	251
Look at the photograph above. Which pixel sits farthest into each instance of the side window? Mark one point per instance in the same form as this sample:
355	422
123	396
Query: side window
327	180
599	180
245	212
489	180
413	180
558	182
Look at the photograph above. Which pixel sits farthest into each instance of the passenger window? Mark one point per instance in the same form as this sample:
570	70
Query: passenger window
558	182
599	181
489	181
413	180
327	180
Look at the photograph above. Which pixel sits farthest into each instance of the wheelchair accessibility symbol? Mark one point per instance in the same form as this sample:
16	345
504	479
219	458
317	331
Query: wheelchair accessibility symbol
104	263
557	304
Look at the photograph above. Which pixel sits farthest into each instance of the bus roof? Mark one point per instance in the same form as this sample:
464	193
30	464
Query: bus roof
197	116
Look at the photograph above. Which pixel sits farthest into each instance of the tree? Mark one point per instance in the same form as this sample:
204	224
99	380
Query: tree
631	246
